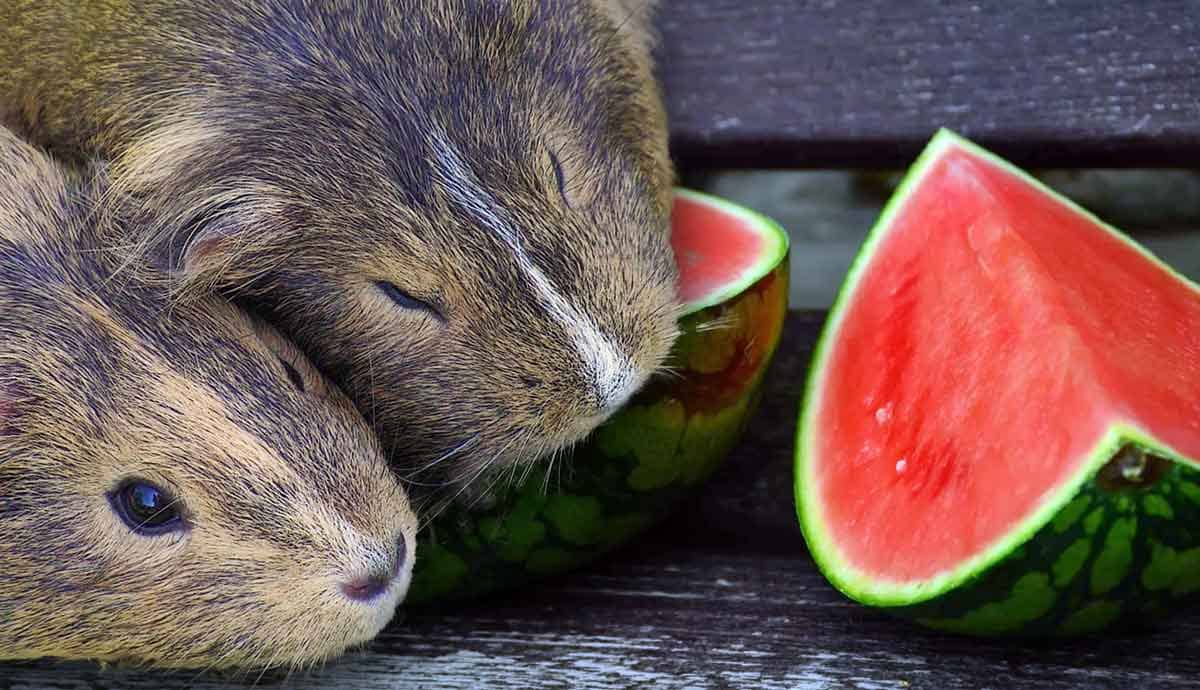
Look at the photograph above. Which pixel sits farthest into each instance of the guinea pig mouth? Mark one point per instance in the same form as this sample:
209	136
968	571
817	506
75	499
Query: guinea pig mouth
581	426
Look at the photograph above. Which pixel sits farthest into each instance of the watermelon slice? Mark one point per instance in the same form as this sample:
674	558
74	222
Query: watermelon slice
1001	430
670	437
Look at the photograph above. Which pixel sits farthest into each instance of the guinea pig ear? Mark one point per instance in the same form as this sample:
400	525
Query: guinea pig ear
224	245
186	220
204	244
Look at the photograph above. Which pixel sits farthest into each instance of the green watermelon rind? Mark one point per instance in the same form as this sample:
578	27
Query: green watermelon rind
1112	558
843	576
775	239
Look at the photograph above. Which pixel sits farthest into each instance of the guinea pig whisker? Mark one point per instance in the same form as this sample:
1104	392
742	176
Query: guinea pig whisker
206	669
393	447
546	476
219	662
527	441
479	496
557	466
560	467
424	485
447	455
273	665
555	458
718	324
491	461
511	471
668	371
467	484
525	467
266	667
529	465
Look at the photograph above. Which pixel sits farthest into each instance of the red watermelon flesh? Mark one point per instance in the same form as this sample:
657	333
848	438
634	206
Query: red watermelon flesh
720	248
990	339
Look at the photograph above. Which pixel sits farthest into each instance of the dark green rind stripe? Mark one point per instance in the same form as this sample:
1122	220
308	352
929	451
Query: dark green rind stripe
631	473
1108	559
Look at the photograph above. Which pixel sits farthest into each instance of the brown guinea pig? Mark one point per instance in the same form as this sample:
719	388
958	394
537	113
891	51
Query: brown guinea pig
458	209
178	488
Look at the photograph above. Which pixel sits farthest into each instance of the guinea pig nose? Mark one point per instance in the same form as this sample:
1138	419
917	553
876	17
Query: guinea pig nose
365	589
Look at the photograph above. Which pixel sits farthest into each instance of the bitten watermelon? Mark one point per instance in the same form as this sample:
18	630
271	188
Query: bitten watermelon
1001	431
669	437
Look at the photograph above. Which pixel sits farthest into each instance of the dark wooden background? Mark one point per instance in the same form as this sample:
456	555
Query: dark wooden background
848	83
724	595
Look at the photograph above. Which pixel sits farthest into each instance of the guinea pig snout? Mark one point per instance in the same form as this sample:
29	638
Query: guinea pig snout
602	410
379	575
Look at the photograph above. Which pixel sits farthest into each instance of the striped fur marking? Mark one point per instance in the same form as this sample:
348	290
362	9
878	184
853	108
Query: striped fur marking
611	371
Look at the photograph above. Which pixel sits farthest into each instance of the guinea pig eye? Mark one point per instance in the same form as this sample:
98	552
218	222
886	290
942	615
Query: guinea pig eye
292	374
405	300
145	508
559	177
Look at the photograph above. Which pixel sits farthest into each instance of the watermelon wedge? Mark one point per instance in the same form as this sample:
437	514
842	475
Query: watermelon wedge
666	440
1001	430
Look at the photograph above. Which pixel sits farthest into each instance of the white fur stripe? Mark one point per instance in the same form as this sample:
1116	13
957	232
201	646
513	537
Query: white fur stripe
612	371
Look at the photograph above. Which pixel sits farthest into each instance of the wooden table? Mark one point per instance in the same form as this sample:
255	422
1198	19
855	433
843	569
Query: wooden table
722	596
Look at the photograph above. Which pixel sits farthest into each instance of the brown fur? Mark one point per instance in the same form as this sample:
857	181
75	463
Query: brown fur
284	492
283	151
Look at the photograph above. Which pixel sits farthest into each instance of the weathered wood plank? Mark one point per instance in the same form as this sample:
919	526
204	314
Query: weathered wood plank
722	596
668	617
849	83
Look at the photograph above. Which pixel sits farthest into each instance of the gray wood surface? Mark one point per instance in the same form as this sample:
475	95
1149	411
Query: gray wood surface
721	596
846	83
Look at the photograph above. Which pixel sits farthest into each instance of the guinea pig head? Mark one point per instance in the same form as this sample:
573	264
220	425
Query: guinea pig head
497	321
461	214
187	491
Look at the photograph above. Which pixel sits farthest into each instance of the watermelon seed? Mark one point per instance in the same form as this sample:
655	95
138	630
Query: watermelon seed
884	414
901	465
1132	468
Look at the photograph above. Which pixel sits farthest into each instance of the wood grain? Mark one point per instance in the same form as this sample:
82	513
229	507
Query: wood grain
850	83
667	617
721	596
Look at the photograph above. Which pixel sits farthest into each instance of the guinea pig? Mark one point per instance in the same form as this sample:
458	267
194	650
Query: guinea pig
458	209
179	487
